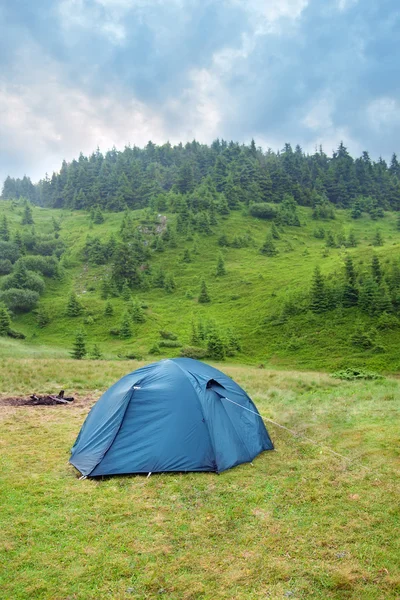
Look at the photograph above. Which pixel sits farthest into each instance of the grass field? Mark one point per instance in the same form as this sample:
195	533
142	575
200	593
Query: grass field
300	523
252	291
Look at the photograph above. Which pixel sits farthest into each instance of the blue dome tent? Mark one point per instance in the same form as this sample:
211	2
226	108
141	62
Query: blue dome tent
173	415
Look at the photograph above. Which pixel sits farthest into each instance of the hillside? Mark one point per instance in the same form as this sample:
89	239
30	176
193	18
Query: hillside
264	310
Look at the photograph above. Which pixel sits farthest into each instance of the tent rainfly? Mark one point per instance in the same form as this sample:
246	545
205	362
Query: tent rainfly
173	415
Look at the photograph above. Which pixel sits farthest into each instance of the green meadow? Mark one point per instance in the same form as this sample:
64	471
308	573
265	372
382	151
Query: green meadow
248	299
300	522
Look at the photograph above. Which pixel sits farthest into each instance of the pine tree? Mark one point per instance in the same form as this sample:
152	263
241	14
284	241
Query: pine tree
383	301
27	217
79	349
159	277
5	321
274	232
195	338
350	271
269	248
204	297
56	225
330	240
125	331
125	291
170	284
42	317
137	313
98	216
378	239
105	289
376	269
74	307
356	211
19	242
215	346
368	297
186	256
220	266
318	294
108	311
96	353
4	230
352	240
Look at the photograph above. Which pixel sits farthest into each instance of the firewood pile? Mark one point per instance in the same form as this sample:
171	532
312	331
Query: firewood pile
50	399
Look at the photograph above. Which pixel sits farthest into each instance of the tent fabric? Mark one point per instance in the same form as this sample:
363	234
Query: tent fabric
173	415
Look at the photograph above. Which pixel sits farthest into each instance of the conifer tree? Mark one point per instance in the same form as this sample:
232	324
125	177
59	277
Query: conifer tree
137	313
4	230
170	284
318	295
186	256
194	338
220	266
352	240
5	321
215	346
126	291
27	217
159	277
79	349
204	297
125	331
74	307
105	289
356	211
383	301
56	225
376	269
330	240
269	248
19	242
368	297
274	232
42	317
108	311
96	353
378	239
98	216
350	291
350	271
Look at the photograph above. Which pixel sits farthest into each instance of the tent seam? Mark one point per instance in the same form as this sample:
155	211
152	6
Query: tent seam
202	412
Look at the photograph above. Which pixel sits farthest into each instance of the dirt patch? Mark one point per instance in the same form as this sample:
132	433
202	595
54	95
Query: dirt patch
43	401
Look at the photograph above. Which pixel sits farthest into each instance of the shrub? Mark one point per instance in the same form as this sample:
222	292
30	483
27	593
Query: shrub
155	349
46	265
263	210
115	332
351	374
169	344
168	335
30	281
193	352
19	300
5	266
16	335
387	321
9	251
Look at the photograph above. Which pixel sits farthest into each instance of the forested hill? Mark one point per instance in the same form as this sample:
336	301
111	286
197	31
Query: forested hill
153	176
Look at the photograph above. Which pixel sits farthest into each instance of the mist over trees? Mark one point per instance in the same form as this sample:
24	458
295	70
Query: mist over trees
235	174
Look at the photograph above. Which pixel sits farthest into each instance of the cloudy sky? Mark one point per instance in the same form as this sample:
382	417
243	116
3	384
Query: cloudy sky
77	74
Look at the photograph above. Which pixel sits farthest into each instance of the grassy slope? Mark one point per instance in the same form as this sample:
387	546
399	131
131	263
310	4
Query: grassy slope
301	523
253	289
